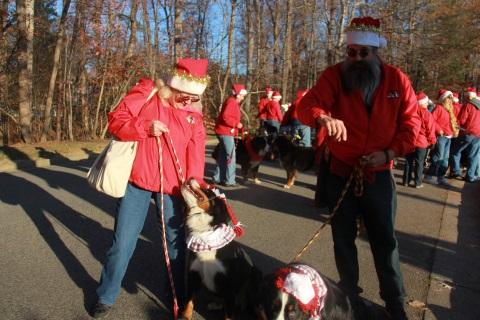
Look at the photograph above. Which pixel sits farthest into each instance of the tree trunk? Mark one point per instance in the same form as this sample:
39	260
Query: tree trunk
53	76
287	51
250	51
231	28
177	51
132	40
25	66
147	34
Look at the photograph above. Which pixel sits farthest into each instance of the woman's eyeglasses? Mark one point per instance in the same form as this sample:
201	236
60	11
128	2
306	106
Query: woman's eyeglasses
362	52
184	99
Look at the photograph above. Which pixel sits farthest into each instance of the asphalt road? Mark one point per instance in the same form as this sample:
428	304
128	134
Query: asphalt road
55	230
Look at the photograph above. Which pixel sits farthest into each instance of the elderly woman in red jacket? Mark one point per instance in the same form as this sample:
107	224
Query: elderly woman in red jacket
175	113
226	128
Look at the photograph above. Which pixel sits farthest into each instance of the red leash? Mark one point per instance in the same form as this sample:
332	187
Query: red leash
162	219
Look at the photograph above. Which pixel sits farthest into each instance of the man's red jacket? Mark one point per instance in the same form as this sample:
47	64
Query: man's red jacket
469	120
392	124
229	118
426	136
273	111
129	122
261	108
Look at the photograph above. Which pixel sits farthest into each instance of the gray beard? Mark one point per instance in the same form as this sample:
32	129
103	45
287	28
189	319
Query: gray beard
362	75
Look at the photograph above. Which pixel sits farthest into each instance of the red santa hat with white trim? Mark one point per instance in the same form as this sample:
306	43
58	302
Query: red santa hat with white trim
455	97
239	89
422	98
470	93
277	96
443	94
365	31
190	76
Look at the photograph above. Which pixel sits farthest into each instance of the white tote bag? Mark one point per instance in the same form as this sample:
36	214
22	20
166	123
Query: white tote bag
111	170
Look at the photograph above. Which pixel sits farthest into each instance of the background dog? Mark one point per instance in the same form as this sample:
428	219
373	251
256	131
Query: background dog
293	157
298	292
250	152
214	260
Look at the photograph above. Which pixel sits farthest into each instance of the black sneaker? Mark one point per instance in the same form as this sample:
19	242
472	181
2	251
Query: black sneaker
396	311
100	310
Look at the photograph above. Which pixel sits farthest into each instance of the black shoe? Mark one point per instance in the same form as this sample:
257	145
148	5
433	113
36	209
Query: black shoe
456	177
100	310
396	311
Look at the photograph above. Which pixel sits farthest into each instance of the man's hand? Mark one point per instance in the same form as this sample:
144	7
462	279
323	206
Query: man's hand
377	158
239	125
157	128
335	127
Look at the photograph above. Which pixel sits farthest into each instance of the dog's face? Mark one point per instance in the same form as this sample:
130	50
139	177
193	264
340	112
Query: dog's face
277	305
204	207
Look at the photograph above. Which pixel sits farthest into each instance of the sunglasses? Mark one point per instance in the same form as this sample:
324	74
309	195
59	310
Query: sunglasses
184	99
362	52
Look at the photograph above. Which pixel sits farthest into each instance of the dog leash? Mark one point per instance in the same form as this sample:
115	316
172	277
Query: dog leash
162	216
357	177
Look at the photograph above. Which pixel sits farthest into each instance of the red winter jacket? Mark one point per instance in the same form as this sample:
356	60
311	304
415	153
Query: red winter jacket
426	135
261	108
273	111
392	124
186	129
229	118
469	120
442	121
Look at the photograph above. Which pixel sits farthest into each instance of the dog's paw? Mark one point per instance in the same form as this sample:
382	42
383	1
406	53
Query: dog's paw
286	186
257	181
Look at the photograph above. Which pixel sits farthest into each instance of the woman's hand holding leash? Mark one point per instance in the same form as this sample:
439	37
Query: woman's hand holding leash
157	128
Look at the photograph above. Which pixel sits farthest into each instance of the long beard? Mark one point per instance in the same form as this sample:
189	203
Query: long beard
361	75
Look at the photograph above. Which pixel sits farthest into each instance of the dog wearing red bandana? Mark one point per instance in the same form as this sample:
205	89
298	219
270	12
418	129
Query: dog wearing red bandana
299	292
215	261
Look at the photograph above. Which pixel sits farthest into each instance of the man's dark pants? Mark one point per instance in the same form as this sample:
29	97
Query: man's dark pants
377	206
414	161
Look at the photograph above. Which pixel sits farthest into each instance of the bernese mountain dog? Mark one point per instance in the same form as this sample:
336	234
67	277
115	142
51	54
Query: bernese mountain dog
215	261
299	292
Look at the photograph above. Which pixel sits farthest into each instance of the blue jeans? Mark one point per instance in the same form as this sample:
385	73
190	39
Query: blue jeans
226	165
132	210
472	146
414	164
440	155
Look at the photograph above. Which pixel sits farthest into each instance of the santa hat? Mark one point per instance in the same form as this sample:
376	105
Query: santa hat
443	94
365	31
455	97
239	89
276	95
268	89
422	98
190	76
471	93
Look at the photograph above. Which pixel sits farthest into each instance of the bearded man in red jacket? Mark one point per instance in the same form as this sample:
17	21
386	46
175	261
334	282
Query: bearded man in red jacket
369	110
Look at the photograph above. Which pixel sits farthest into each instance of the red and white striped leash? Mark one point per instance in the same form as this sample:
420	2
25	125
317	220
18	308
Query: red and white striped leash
162	215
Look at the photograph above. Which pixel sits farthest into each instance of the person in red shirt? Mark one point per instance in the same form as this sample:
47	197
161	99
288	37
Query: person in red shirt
425	138
226	128
469	138
171	116
262	103
273	111
446	127
369	110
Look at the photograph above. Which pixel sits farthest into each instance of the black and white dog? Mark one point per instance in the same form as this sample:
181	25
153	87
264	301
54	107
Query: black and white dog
250	152
299	292
215	260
